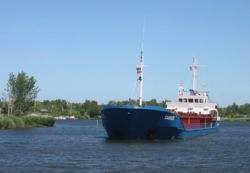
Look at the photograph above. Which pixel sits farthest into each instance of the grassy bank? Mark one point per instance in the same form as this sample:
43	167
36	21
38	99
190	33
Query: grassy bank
12	122
235	119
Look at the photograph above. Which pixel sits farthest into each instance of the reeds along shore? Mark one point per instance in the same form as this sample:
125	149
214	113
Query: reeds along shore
11	122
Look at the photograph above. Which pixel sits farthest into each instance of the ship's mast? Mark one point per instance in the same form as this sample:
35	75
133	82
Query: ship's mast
194	69
140	68
140	78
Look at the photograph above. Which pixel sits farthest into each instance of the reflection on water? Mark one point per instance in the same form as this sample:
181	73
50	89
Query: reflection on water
81	146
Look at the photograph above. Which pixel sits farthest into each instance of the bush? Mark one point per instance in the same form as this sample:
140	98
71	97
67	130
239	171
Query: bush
38	121
19	122
26	121
7	123
29	121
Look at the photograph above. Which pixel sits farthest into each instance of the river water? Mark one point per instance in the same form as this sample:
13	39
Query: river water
81	146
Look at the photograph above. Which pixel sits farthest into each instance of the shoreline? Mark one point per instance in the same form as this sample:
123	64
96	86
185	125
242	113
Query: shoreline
235	119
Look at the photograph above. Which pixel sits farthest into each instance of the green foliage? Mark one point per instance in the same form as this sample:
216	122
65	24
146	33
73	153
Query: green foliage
91	108
124	102
152	102
4	107
25	121
19	122
22	91
7	123
235	111
85	110
31	121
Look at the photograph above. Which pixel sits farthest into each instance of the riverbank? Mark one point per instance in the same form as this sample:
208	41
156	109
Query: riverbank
12	122
235	119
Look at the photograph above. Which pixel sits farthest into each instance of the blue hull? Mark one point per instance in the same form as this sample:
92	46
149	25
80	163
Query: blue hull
149	122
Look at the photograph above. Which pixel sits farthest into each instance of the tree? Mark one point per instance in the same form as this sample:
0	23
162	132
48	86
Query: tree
91	108
152	102
22	92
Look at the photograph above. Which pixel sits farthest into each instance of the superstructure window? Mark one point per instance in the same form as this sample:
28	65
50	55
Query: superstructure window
180	100
190	100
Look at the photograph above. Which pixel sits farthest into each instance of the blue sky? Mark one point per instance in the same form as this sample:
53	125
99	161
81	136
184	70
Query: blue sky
88	49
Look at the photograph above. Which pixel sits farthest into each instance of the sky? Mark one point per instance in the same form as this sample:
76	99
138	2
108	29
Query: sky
88	49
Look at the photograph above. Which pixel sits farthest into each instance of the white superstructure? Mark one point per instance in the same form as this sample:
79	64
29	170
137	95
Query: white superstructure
193	101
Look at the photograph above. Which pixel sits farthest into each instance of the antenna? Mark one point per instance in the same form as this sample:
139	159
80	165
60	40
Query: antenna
194	69
140	67
143	32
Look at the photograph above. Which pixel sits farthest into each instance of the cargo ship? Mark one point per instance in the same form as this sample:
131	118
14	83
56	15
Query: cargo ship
193	114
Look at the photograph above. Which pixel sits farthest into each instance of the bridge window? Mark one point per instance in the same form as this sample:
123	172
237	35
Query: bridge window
190	100
185	100
196	100
201	100
180	100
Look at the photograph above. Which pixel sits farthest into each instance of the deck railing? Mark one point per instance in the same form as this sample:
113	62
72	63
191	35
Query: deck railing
200	125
